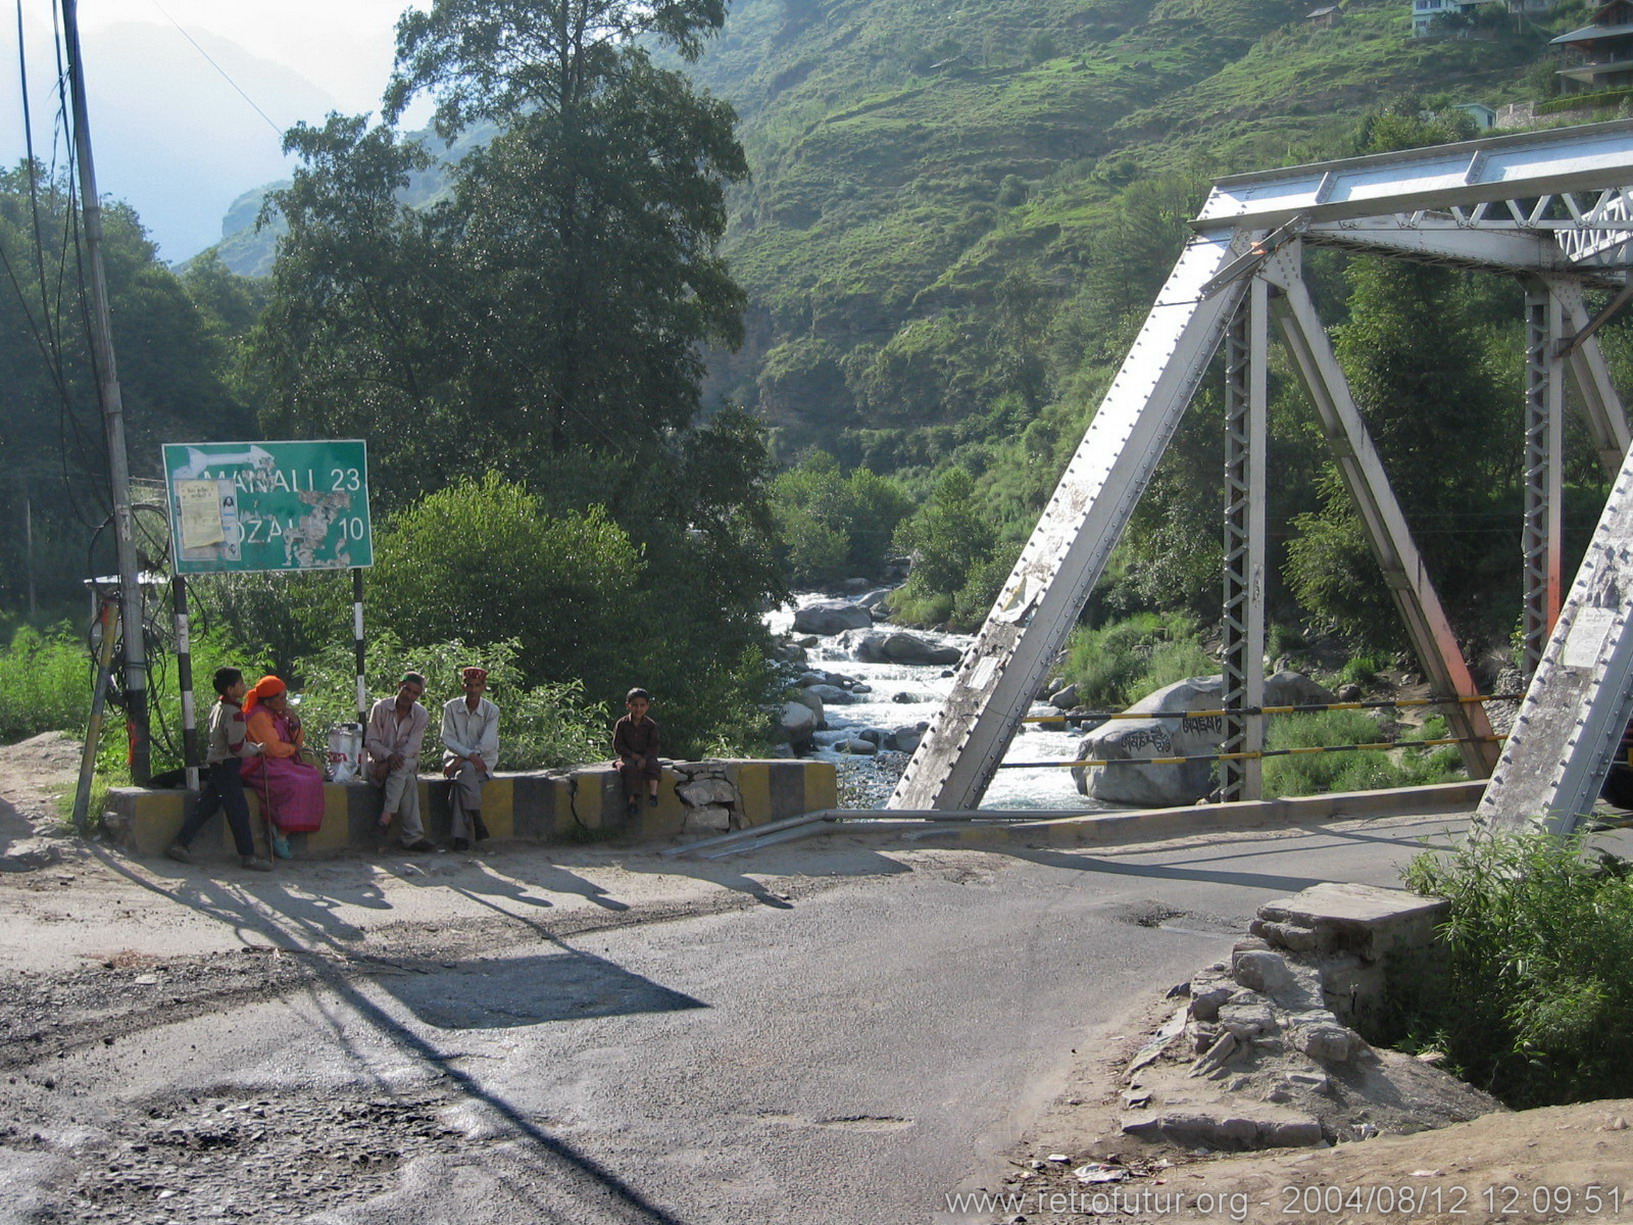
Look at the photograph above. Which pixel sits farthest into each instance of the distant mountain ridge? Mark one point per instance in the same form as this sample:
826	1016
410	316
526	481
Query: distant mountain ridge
922	166
175	139
909	155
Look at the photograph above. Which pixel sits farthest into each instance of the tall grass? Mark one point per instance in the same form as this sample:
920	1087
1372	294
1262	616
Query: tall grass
1117	664
45	683
1358	770
1537	1004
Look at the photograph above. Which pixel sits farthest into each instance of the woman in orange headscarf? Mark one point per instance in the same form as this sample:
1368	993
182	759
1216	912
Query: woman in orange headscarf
291	789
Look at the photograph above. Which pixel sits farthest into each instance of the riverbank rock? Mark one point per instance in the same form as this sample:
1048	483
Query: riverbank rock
832	695
1171	732
906	739
799	724
830	617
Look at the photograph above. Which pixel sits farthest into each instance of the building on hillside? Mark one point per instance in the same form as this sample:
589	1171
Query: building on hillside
1324	18
1424	12
1485	118
1598	56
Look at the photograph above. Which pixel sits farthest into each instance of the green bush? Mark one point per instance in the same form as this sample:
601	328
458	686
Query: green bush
1537	1005
1119	663
45	684
1361	670
482	561
540	726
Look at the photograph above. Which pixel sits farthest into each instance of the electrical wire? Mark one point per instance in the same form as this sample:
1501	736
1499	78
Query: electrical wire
279	132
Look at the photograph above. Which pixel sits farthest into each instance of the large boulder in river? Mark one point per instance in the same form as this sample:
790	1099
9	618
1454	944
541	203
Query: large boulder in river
829	617
901	647
832	695
1171	732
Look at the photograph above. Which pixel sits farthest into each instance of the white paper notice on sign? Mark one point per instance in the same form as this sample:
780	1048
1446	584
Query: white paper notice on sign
1586	639
200	503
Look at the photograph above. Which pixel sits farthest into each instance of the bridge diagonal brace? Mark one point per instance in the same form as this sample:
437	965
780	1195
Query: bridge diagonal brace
1570	723
1061	562
1409	585
1601	406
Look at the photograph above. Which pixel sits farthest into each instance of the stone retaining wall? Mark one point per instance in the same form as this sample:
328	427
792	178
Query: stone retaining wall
586	804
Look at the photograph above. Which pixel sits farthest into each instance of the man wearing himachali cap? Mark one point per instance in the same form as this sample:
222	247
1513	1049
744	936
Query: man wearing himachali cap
470	741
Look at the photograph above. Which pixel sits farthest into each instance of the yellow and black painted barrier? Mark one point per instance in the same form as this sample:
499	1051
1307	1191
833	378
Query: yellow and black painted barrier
554	807
1248	756
1305	708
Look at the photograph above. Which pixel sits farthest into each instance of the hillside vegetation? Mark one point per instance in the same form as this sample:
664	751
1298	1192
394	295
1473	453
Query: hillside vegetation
909	157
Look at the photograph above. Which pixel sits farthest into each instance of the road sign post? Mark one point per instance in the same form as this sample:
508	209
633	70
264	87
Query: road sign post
239	507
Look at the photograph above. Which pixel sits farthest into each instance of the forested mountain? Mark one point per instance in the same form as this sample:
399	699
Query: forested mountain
953	205
936	185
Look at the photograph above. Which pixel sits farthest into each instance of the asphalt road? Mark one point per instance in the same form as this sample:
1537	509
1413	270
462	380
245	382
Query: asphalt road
828	1033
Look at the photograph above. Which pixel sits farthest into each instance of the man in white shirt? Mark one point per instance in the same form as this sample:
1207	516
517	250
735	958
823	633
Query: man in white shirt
395	733
470	742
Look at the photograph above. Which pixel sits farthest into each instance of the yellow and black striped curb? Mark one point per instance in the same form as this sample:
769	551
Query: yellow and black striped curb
552	808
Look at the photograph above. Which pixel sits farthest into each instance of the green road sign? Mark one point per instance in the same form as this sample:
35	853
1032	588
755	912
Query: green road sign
243	506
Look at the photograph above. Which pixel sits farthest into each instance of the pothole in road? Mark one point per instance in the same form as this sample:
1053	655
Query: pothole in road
1149	913
1145	914
232	1157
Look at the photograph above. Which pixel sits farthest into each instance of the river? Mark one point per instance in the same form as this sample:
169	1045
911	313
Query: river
906	694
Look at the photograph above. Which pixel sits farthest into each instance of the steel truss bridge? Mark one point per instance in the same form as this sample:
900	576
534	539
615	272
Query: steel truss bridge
1554	210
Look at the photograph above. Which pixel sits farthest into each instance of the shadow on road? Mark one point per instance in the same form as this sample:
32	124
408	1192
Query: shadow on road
290	922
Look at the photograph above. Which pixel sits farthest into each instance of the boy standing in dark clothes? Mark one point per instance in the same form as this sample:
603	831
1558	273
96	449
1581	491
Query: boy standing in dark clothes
224	788
635	744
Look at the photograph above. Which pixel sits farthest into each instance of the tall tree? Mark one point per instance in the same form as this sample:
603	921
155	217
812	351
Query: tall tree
543	318
560	294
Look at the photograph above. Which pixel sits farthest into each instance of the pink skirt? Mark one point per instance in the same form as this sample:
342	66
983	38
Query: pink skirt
290	789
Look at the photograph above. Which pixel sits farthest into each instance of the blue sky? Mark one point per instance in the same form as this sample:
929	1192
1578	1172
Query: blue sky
171	136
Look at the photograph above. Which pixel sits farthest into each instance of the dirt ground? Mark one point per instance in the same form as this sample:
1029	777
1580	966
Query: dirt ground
69	982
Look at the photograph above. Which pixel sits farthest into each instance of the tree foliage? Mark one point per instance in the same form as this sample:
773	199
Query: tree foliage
558	292
173	360
951	542
835	526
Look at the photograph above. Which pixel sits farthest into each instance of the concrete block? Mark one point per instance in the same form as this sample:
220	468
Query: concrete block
1366	920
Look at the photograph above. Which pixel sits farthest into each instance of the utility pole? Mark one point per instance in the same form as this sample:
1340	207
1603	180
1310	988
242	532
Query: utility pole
113	418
